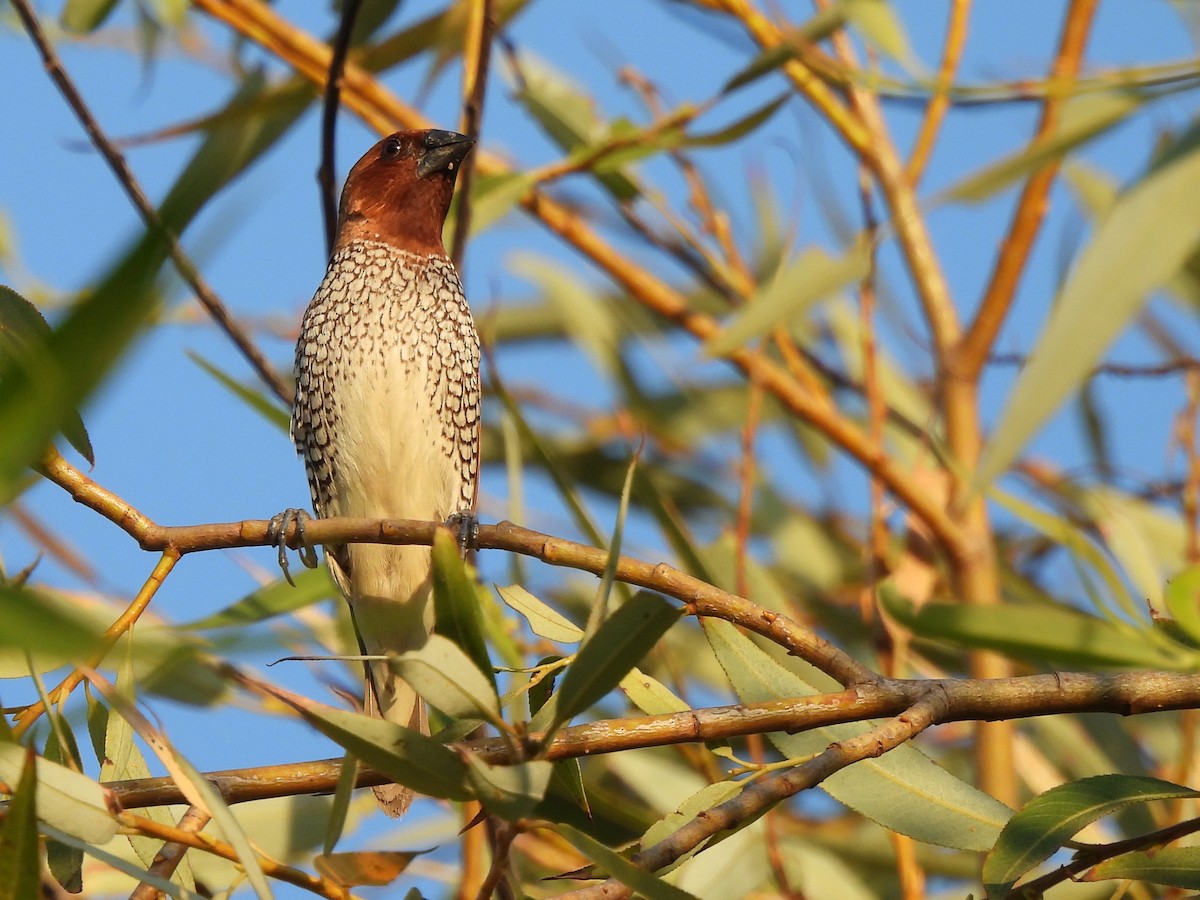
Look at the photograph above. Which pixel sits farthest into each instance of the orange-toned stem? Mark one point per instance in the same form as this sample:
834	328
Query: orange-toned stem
111	635
939	103
1031	208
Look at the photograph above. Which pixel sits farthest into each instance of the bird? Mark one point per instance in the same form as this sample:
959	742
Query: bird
388	402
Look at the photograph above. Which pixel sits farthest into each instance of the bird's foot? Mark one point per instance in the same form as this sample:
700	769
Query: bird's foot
277	532
465	524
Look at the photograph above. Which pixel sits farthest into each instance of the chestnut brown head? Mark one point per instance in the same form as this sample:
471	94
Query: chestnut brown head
400	191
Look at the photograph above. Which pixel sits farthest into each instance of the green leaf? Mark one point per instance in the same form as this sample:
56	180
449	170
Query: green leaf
275	599
903	790
608	577
170	888
645	884
608	656
447	678
404	755
24	337
263	404
1045	634
1182	599
342	796
456	605
1174	866
66	865
703	800
825	23
543	621
1049	820
650	695
811	277
510	792
880	26
1139	246
42	625
65	799
20	869
739	129
1083	118
85	16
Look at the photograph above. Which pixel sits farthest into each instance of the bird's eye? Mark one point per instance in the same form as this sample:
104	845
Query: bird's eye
392	147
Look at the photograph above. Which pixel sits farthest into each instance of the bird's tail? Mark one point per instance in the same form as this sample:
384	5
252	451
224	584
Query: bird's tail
400	704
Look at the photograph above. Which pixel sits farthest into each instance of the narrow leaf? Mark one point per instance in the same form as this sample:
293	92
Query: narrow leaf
646	884
1139	246
456	605
510	792
1049	820
608	656
371	868
446	677
812	276
903	790
275	599
264	405
1174	866
19	866
65	799
543	621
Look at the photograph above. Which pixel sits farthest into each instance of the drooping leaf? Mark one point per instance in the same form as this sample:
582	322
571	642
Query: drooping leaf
456	605
341	802
880	25
261	403
20	875
24	339
543	621
1138	247
903	790
407	756
65	799
510	792
1049	820
646	884
608	655
445	676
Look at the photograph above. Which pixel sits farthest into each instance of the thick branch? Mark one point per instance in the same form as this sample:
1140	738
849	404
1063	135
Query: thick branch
961	700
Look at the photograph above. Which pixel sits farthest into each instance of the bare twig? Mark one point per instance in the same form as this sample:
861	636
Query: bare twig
167	860
481	28
183	264
333	88
973	352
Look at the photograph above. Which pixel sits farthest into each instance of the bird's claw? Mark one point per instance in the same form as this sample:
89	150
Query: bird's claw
465	524
277	531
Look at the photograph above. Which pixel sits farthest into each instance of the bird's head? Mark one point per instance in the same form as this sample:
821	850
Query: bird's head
400	191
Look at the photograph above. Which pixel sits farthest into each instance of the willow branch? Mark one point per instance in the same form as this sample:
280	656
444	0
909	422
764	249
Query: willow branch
1125	694
939	103
167	860
1031	208
770	790
120	168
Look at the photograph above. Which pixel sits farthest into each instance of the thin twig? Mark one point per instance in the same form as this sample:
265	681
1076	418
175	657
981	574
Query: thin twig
481	28
167	860
183	264
939	101
333	90
1031	209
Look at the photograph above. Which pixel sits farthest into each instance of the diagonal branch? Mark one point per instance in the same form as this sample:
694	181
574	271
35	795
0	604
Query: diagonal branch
973	352
116	161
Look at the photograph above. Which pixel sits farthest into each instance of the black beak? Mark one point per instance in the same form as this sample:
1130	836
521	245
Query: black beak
444	150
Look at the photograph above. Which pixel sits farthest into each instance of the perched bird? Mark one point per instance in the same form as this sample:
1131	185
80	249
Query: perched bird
387	404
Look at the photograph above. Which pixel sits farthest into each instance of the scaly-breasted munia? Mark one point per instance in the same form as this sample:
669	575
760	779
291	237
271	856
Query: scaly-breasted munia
387	404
